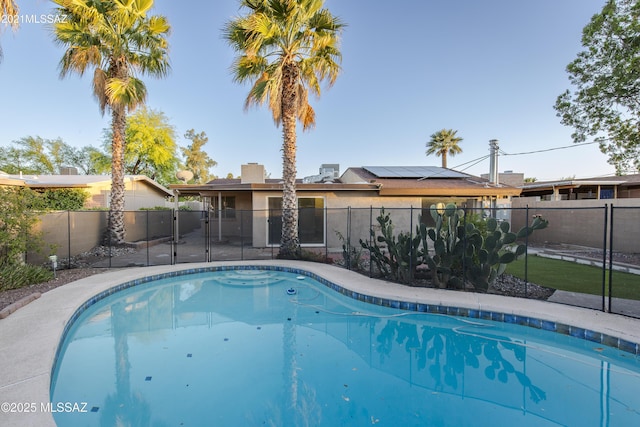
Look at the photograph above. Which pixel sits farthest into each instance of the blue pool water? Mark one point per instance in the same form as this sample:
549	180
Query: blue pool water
270	348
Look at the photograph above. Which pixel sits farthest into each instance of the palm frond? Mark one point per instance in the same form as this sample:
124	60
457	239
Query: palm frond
118	39
99	88
306	113
249	67
129	92
9	8
274	33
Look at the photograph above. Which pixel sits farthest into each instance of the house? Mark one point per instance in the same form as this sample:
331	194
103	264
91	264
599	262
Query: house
514	179
611	187
140	191
577	209
249	208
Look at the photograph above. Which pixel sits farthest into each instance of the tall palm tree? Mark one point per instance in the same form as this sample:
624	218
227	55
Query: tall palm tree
117	39
286	48
444	142
8	8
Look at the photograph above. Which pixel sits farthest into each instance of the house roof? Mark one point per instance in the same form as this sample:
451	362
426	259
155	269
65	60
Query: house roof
415	172
383	180
633	179
439	182
74	181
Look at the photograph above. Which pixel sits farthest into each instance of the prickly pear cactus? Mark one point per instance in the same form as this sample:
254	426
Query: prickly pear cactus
492	251
395	257
461	254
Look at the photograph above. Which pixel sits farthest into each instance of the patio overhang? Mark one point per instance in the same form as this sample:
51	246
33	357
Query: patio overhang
206	190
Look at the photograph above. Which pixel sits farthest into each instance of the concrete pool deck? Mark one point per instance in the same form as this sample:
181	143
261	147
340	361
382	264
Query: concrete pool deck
30	336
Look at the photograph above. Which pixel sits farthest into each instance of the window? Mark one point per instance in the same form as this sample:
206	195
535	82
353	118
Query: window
607	193
228	210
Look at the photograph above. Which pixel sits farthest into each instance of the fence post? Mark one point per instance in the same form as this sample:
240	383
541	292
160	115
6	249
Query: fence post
69	239
464	246
370	239
610	256
147	238
526	253
207	236
604	257
242	235
174	259
348	238
109	235
326	235
411	241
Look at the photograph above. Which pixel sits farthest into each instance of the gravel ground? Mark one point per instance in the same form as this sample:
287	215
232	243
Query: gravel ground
80	268
62	278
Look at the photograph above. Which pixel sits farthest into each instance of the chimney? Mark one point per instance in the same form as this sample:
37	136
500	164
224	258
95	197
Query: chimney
493	165
252	173
66	170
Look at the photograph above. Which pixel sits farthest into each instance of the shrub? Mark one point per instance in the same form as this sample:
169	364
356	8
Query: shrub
60	199
156	208
20	275
16	222
65	199
16	238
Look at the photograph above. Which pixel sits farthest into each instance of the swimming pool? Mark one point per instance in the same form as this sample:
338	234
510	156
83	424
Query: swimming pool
256	347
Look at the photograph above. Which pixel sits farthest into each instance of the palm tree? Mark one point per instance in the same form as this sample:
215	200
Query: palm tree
444	142
117	39
286	48
8	9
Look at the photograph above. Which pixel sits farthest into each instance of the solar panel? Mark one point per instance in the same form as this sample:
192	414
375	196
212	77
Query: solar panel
413	172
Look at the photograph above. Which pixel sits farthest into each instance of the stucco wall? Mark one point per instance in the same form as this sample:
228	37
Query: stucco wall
68	233
581	222
148	225
363	212
71	233
138	195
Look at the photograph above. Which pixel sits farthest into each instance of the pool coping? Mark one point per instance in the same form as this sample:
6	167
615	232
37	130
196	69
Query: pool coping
31	335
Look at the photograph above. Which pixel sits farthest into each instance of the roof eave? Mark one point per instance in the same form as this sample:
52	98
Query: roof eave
210	189
446	192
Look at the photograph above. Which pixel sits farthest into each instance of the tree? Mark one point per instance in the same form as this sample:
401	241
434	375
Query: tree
43	155
17	218
196	160
36	155
16	221
119	41
444	142
88	160
606	76
286	48
8	10
150	146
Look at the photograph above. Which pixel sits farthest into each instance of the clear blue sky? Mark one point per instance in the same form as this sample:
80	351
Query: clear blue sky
490	69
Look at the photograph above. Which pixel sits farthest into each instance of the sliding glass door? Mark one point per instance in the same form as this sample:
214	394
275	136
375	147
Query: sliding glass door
310	220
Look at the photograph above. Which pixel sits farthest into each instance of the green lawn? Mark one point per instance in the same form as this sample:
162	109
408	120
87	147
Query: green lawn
573	277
